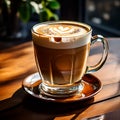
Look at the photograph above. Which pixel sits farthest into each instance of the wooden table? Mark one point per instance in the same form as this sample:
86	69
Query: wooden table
16	63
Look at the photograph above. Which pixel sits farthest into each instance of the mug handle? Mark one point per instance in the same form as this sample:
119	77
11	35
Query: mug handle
99	38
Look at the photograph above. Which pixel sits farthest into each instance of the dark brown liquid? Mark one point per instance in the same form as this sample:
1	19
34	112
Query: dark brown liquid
61	66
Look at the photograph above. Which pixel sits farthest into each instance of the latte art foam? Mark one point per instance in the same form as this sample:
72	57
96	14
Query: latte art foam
61	34
61	30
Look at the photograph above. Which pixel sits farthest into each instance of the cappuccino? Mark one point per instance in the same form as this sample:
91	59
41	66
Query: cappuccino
61	49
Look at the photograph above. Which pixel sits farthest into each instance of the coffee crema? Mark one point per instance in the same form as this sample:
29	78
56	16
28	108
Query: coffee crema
61	35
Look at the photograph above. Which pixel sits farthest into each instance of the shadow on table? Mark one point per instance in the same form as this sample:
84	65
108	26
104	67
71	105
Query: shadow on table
23	106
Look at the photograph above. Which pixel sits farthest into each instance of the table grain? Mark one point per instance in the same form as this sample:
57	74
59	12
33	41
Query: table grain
17	62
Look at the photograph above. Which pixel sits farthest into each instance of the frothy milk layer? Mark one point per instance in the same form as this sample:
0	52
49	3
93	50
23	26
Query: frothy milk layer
61	30
61	35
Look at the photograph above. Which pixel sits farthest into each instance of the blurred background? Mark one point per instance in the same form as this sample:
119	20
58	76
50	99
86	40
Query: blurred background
102	15
18	16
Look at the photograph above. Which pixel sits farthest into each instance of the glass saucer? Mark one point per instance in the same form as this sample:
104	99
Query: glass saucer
92	85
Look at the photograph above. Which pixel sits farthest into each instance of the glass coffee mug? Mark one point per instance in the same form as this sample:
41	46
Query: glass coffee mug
61	50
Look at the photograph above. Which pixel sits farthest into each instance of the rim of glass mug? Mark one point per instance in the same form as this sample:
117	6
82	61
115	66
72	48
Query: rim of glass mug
86	26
